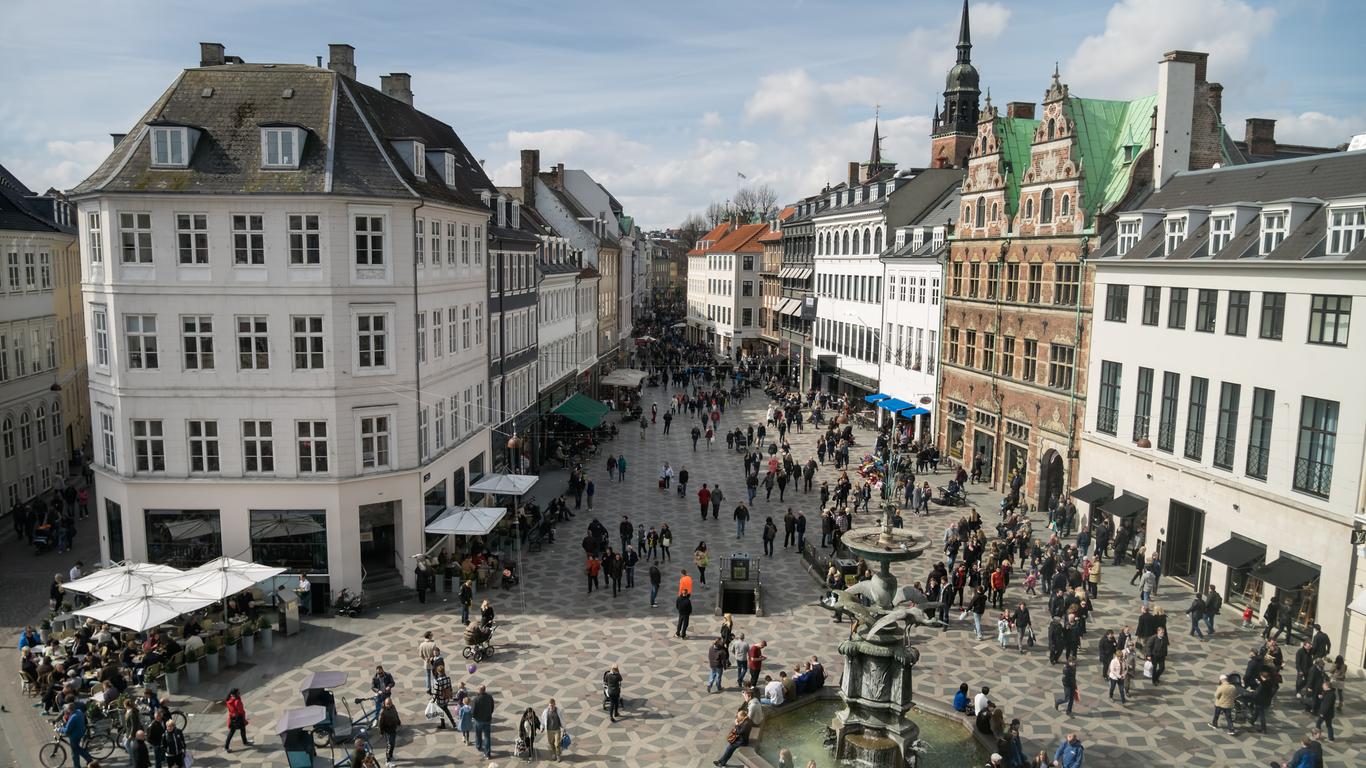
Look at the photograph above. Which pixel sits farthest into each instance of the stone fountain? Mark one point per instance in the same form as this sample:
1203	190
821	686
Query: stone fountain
872	729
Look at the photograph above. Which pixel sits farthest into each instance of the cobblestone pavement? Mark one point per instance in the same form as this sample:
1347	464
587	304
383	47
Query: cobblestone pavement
566	638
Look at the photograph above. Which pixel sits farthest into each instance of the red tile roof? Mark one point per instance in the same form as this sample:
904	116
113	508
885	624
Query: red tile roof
711	237
776	235
743	239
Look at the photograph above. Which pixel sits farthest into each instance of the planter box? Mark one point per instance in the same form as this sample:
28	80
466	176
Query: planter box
173	682
230	655
268	638
211	663
192	672
248	645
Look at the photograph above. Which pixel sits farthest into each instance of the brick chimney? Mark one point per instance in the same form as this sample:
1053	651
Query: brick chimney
1260	135
341	58
531	168
556	180
853	174
1023	110
211	55
398	85
1216	98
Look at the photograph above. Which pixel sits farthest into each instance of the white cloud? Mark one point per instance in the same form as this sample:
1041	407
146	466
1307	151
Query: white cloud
711	120
63	165
1120	62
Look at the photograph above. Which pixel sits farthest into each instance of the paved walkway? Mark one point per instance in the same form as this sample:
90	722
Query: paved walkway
564	640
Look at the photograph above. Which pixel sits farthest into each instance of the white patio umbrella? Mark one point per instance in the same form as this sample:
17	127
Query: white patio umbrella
219	578
123	579
504	485
142	612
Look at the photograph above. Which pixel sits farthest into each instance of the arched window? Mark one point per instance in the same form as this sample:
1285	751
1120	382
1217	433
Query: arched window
1029	208
845	243
1046	207
867	241
877	241
41	417
856	250
995	212
1066	205
55	419
25	431
7	436
967	212
1051	127
981	213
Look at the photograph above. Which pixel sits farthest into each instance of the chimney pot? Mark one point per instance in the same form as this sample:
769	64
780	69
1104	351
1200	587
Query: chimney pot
1021	109
341	58
211	54
853	174
531	168
397	85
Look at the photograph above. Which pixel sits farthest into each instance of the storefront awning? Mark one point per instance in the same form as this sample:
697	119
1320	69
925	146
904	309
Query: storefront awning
583	409
1237	553
914	410
623	377
1287	574
1093	491
802	274
787	272
876	398
792	307
1126	505
892	404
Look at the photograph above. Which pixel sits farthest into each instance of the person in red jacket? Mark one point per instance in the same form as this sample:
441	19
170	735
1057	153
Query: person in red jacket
704	499
237	718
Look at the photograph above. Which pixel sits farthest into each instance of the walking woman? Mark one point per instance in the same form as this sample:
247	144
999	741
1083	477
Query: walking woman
700	559
611	467
666	540
388	725
442	694
527	730
237	718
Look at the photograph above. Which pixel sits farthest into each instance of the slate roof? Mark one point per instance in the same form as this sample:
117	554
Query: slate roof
1312	180
937	216
347	150
17	212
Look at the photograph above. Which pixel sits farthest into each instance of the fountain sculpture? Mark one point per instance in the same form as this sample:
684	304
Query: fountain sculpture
872	728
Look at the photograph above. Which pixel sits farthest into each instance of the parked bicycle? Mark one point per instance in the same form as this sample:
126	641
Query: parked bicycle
99	741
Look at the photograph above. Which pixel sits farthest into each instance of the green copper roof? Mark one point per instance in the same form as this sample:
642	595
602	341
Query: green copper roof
627	223
1110	135
1015	134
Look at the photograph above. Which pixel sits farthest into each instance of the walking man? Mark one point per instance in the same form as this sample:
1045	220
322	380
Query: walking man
553	720
481	709
684	606
1069	684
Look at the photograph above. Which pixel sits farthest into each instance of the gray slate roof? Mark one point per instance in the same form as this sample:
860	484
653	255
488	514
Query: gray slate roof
242	97
18	213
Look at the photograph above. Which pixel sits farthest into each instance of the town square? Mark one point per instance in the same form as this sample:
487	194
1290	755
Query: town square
983	395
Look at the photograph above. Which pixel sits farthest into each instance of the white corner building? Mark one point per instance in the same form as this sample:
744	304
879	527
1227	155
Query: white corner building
284	279
1224	420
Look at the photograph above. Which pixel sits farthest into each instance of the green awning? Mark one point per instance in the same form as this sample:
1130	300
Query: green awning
583	409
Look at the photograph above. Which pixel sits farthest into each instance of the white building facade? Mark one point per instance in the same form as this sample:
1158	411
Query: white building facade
296	377
1225	421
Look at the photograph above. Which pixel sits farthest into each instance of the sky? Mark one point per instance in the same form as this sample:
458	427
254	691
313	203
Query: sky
667	103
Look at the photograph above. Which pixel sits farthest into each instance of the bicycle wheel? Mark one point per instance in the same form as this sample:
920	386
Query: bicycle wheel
101	745
180	720
52	755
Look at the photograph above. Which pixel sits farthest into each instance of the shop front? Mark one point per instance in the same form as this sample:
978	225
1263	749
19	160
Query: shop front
1242	557
1296	588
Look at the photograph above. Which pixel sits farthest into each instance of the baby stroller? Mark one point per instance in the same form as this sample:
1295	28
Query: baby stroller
510	577
1243	708
44	538
951	496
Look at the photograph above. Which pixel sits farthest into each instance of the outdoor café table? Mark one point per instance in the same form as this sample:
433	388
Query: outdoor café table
237	620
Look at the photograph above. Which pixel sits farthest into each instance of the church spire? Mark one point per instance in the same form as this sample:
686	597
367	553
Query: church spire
964	38
875	159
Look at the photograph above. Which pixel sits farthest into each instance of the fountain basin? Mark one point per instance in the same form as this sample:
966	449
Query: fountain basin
801	726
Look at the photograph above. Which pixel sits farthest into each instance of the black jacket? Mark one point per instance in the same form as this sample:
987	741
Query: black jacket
1158	649
1069	676
481	705
1328	705
612	681
684	605
142	757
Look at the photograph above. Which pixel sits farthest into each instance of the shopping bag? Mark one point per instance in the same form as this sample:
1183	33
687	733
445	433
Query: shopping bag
565	740
432	711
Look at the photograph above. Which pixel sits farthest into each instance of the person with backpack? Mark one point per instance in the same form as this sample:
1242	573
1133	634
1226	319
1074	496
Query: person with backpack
388	726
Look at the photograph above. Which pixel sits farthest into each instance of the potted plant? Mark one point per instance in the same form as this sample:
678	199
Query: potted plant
230	646
248	633
174	666
267	632
192	660
150	676
211	660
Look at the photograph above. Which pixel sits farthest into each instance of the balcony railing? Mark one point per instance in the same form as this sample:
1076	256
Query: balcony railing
1257	460
1313	477
1166	437
1141	424
1195	444
1107	420
1224	449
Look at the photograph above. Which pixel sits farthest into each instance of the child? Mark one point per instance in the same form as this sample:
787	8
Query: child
1003	629
1247	617
464	716
1032	580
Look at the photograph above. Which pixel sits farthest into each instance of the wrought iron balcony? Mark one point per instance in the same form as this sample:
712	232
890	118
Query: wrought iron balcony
1313	477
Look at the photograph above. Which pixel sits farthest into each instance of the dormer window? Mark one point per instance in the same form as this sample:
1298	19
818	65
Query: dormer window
1129	233
1273	231
516	214
1220	232
170	147
1346	228
449	167
1176	234
419	160
938	237
281	147
918	239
